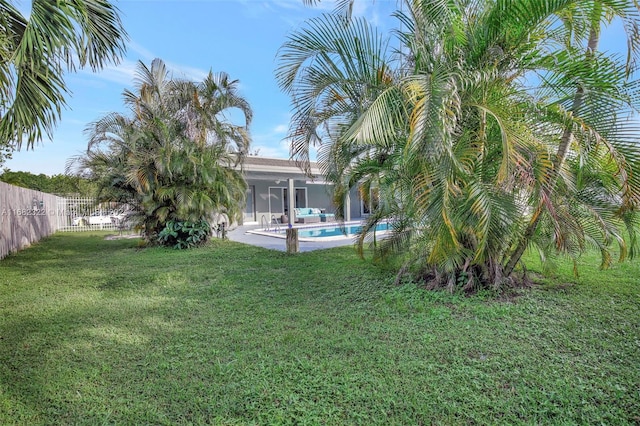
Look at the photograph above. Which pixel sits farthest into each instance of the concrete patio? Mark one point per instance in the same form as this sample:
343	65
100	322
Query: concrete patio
240	235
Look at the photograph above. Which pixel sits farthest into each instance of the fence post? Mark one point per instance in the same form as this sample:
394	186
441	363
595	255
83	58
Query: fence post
293	245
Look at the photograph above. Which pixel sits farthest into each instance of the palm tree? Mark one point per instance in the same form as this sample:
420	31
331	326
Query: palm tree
459	138
597	14
36	51
175	156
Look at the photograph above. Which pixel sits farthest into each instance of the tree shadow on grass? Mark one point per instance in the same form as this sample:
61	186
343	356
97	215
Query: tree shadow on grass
145	341
64	252
59	362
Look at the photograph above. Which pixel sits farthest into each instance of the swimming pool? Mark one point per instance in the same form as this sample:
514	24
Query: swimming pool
324	232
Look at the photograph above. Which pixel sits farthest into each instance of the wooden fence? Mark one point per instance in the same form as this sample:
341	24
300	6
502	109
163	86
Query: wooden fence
26	216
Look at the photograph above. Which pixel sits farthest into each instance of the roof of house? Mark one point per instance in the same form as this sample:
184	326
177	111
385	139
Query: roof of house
264	167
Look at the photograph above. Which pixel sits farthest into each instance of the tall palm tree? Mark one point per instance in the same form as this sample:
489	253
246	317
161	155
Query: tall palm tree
591	17
460	139
35	52
175	156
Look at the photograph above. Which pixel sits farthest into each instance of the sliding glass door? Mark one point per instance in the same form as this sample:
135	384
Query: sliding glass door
279	200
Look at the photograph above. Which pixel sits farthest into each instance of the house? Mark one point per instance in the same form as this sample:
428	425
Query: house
270	182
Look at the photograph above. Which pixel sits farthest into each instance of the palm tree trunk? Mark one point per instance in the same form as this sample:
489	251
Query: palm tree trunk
563	148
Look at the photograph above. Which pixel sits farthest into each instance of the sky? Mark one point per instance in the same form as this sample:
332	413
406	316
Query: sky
192	37
239	37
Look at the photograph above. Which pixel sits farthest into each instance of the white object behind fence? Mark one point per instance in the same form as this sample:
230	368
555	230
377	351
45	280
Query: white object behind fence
83	214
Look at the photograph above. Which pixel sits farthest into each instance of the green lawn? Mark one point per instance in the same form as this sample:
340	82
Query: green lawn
101	332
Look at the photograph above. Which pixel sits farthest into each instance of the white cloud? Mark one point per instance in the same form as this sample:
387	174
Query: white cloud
285	145
361	8
272	144
280	148
270	151
285	4
143	53
257	9
178	70
125	72
186	72
281	129
122	73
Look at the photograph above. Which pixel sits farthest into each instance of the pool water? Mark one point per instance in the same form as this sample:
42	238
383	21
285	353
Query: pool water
334	230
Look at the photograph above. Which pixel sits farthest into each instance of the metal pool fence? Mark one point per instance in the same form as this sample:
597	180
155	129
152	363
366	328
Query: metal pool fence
77	214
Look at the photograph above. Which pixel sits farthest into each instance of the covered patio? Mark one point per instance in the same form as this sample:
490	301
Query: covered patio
270	182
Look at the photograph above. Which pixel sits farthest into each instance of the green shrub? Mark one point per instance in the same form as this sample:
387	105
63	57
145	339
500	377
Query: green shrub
184	234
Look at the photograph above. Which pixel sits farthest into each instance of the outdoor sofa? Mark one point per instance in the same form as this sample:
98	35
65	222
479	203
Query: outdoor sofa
312	215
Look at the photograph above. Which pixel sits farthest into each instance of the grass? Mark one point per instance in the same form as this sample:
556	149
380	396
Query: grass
102	332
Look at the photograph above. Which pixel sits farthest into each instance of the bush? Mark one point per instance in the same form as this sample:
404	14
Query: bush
184	234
